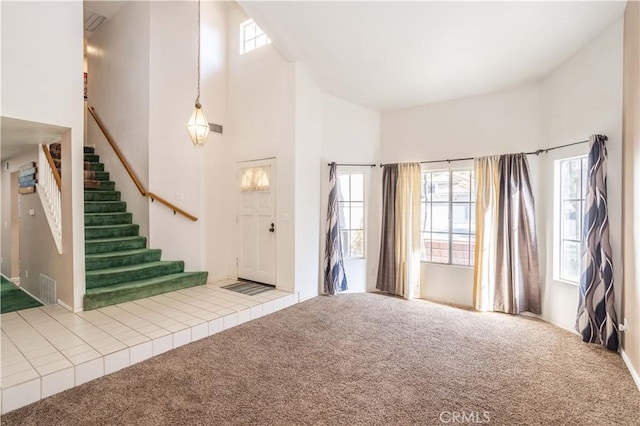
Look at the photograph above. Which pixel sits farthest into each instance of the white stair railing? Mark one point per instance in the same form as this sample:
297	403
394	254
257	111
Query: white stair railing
49	191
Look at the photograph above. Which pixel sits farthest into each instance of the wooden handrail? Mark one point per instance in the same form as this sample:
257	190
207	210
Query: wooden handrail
132	174
52	164
171	206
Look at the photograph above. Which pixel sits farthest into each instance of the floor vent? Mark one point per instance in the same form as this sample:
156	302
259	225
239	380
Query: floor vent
48	292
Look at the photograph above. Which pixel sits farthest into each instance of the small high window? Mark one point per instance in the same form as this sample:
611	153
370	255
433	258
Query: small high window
251	37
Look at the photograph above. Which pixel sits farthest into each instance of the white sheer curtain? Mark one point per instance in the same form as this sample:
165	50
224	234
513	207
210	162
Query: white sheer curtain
487	172
254	179
407	235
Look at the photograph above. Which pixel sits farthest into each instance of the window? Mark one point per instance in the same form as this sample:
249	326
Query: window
351	210
251	37
448	219
255	179
571	177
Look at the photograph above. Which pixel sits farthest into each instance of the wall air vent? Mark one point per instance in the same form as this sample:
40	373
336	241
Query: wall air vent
48	290
92	21
215	128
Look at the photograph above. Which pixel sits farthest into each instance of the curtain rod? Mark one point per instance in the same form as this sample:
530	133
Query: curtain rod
353	164
536	152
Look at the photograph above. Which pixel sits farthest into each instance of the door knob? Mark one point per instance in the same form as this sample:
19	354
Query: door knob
272	229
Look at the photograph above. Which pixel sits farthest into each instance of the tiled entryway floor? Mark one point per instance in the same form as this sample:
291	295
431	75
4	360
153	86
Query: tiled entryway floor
48	349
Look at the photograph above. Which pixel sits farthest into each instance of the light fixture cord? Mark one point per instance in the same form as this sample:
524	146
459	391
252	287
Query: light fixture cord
198	97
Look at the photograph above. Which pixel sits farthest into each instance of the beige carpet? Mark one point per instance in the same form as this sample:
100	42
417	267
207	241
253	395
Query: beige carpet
362	359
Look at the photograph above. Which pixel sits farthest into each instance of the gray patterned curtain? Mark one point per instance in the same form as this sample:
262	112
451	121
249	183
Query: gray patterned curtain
517	277
387	263
335	279
596	319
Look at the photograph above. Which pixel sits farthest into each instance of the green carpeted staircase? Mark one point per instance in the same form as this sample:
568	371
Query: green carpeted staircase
119	266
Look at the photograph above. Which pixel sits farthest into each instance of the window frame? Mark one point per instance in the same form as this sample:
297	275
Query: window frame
341	203
243	38
450	203
559	201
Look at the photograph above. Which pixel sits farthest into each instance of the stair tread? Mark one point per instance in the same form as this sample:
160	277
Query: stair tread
120	225
115	239
102	202
119	253
131	268
140	283
98	214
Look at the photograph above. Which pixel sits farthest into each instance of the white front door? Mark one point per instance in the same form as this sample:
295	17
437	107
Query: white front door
256	221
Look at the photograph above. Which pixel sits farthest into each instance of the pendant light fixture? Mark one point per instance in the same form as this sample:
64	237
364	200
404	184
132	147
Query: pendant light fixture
198	126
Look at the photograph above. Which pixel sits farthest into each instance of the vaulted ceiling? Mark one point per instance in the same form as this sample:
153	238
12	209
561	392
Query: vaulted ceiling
390	55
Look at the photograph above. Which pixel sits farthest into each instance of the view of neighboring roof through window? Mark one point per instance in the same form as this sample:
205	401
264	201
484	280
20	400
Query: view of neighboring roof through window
251	36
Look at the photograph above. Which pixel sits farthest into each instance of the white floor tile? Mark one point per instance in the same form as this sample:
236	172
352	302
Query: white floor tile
244	316
57	382
278	304
116	361
135	340
256	312
230	320
19	377
216	326
89	371
267	307
287	301
181	337
53	367
20	395
47	359
162	344
157	333
141	352
76	350
199	331
110	348
84	357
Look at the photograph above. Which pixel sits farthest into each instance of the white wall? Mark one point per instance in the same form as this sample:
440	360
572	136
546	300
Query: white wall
261	116
118	80
351	134
497	123
308	146
219	170
47	88
176	167
582	97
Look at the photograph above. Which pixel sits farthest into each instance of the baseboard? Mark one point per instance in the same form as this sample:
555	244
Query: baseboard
64	305
564	327
634	373
32	296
